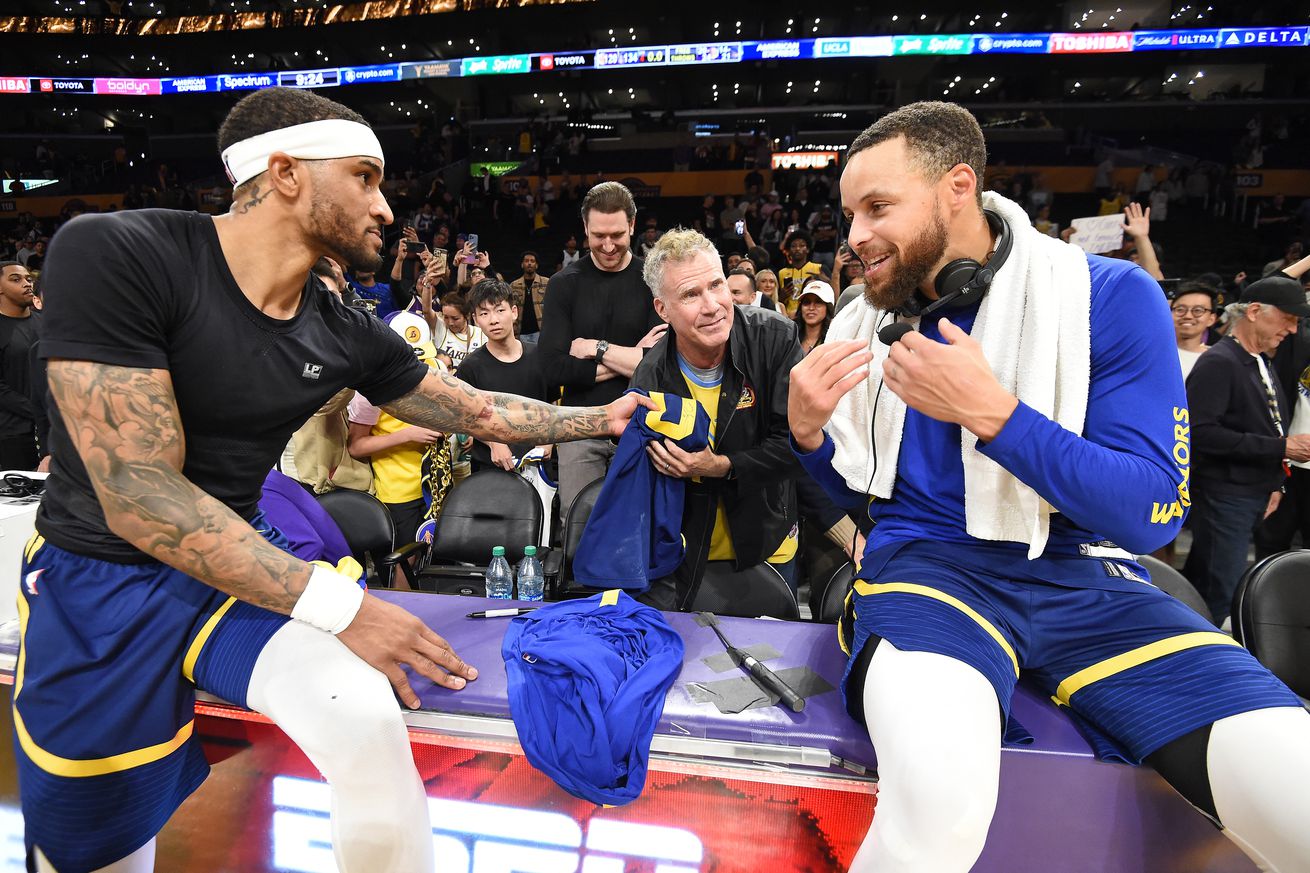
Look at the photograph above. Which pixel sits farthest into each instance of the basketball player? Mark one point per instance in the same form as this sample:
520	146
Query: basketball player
183	352
1030	440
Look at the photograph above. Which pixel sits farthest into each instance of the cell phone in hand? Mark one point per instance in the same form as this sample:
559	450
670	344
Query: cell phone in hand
740	227
414	247
472	241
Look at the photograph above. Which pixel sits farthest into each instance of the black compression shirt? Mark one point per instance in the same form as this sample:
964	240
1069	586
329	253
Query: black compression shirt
150	289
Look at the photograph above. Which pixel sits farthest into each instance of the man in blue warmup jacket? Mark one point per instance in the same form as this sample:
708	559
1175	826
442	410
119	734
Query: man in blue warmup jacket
948	607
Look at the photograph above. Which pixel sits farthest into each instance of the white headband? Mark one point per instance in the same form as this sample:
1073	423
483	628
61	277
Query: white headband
314	140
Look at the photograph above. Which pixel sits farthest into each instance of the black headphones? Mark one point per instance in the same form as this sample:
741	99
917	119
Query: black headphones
963	282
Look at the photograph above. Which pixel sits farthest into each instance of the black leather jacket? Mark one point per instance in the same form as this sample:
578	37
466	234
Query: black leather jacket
760	496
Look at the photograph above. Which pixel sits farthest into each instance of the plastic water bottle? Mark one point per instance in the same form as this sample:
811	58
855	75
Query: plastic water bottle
500	580
532	582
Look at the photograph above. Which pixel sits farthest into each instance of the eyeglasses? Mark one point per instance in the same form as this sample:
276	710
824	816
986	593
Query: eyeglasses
1194	311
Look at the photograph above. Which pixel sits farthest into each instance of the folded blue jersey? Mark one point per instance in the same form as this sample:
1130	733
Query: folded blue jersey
634	533
587	680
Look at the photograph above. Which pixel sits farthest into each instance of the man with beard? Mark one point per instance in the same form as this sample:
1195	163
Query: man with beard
19	326
179	367
529	296
1025	445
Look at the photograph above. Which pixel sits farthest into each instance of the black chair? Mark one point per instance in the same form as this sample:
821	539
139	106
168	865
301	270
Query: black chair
370	534
1271	616
751	592
831	600
490	508
1170	581
559	565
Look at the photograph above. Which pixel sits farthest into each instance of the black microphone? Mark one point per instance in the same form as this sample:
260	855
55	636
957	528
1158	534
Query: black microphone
893	332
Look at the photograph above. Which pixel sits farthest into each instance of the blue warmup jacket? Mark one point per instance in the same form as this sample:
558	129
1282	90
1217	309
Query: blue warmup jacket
634	533
1125	479
587	680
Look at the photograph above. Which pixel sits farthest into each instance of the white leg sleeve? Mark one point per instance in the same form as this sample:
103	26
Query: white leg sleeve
936	727
343	715
140	861
1259	765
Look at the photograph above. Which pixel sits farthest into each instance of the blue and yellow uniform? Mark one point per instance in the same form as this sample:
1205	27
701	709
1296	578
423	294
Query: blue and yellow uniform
1136	667
114	642
634	532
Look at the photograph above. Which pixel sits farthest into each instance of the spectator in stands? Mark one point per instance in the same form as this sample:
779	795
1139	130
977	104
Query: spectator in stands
1104	177
1040	196
823	228
847	270
1141	251
529	295
377	294
570	255
740	498
766	282
1239	416
504	364
731	232
741	284
597	322
731	262
1115	201
1042	221
1144	185
393	448
649	237
814	314
1159	202
462	337
799	270
1193	310
1280	265
20	326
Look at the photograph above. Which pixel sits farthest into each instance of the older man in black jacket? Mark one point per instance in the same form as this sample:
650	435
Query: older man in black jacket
741	498
1239	417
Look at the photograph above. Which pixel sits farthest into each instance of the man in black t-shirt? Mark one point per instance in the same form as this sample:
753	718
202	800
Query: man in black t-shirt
179	366
597	322
19	326
504	364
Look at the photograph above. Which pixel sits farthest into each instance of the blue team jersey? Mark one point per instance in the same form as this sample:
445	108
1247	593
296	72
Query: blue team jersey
1124	480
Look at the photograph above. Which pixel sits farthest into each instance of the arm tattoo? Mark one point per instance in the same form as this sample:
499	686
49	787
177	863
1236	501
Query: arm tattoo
444	403
125	425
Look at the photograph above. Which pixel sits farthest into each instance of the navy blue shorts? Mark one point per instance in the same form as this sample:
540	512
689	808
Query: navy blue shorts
104	695
1135	667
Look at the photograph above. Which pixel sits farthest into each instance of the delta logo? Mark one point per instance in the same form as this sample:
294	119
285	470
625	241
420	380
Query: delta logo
1076	43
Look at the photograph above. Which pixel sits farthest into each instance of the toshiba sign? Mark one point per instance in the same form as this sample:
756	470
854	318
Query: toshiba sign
1090	43
15	85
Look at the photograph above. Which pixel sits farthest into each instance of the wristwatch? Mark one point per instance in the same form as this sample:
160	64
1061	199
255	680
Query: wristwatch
602	347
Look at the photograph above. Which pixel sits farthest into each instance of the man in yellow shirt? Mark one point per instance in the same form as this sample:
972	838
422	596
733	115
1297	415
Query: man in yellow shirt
799	270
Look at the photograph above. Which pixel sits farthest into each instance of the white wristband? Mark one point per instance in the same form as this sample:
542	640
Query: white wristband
329	602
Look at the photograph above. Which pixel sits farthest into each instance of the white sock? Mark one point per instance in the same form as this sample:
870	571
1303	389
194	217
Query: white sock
936	728
343	715
1259	765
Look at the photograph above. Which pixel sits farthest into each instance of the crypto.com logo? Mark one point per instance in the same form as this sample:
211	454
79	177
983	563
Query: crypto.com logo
469	837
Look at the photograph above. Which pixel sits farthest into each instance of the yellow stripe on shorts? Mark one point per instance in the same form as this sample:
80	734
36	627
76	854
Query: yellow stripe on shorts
1137	657
867	588
72	767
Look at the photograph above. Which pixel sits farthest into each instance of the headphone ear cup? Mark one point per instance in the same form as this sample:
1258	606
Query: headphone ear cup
955	275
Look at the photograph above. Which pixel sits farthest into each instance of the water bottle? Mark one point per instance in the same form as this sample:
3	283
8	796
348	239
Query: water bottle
500	581
532	582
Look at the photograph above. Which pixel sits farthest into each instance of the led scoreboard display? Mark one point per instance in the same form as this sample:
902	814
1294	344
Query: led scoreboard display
688	54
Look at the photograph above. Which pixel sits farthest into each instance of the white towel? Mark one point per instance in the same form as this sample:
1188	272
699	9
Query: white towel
1034	329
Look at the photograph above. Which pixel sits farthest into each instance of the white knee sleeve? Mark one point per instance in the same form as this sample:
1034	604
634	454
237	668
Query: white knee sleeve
343	715
936	727
1259	765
